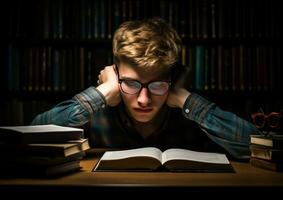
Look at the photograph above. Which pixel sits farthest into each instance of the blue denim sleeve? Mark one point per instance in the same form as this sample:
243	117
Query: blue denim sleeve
223	127
74	112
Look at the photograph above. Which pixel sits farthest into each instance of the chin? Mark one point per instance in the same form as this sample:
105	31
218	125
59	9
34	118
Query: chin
143	118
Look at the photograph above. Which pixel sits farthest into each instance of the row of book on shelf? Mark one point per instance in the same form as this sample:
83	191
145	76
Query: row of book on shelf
236	68
42	150
98	19
267	151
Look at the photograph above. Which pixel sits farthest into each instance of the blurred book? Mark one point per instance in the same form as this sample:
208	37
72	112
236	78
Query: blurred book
271	140
266	164
267	153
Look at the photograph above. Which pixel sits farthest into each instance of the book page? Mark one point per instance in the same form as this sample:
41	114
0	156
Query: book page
147	151
41	128
183	154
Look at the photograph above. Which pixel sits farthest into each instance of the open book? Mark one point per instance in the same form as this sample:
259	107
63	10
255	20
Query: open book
152	159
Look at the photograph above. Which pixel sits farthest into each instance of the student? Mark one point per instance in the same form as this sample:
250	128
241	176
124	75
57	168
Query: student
137	102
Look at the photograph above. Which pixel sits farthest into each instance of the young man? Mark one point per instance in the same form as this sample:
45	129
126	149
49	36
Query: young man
137	102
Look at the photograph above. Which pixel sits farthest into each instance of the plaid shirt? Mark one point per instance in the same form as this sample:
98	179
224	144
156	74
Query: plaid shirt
200	125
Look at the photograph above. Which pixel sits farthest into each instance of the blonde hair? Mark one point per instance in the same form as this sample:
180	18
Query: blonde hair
146	43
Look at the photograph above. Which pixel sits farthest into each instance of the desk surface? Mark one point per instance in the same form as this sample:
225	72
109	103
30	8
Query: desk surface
245	177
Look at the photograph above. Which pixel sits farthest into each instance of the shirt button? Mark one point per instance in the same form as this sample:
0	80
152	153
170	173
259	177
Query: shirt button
187	110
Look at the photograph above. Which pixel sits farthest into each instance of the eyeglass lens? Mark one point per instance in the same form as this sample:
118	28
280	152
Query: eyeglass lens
133	87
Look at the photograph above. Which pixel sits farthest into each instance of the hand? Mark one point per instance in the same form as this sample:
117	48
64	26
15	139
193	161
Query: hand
108	85
177	97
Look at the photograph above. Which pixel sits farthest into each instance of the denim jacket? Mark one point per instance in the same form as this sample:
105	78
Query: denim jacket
200	125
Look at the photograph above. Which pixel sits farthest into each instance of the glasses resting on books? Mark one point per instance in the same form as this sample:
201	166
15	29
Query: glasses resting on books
267	122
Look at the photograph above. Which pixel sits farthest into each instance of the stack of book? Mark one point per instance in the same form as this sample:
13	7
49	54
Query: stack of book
44	150
267	151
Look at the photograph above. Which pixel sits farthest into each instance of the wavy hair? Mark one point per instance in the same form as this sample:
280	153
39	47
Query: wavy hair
146	43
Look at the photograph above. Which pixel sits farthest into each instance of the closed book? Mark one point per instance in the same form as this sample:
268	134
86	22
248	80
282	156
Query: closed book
272	140
59	149
66	149
266	164
39	171
267	153
39	161
39	134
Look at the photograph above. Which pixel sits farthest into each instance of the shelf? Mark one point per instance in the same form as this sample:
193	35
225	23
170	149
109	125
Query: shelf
38	95
62	42
108	42
233	41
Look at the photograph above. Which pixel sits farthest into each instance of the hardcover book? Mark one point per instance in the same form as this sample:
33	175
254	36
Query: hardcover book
272	140
49	133
267	153
266	164
30	170
65	149
153	159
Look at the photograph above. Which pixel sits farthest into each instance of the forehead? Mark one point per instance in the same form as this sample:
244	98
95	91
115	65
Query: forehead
138	73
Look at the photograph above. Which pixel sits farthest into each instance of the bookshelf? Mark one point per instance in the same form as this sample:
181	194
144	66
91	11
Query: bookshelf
55	49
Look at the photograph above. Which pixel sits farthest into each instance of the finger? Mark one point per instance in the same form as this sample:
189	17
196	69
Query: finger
98	79
115	68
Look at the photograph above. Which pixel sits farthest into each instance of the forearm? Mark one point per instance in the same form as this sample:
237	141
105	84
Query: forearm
75	112
177	97
225	128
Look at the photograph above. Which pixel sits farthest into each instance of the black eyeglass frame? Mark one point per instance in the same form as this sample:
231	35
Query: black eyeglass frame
144	85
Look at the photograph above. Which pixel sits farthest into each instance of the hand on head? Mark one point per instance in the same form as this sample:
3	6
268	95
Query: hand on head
177	97
108	75
108	85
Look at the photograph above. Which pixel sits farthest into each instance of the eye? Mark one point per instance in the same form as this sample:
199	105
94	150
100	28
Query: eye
132	83
158	85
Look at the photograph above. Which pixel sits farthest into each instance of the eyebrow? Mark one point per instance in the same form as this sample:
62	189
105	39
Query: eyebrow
153	80
127	78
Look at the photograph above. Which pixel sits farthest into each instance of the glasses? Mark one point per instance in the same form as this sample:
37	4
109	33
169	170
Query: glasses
269	121
132	87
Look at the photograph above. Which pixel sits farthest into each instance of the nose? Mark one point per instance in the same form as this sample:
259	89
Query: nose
144	98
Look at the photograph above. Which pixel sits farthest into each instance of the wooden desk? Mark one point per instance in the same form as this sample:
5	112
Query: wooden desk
245	179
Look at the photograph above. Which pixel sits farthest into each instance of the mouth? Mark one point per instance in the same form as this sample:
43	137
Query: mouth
143	110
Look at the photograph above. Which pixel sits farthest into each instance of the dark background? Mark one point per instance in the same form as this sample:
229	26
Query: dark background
51	50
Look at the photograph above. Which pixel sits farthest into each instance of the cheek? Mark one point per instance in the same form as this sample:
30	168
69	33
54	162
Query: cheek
127	99
158	101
